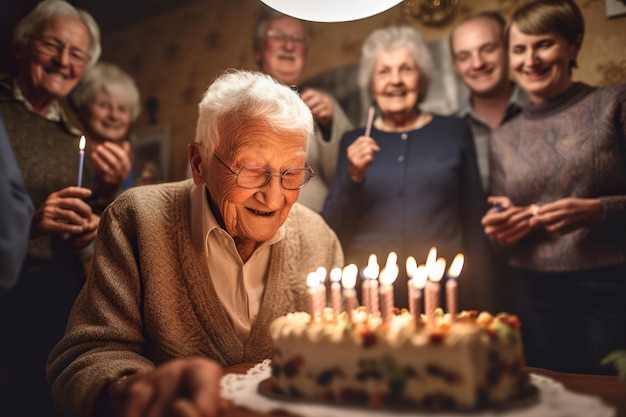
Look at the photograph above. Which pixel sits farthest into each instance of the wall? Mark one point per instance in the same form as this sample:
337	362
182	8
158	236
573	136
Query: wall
174	57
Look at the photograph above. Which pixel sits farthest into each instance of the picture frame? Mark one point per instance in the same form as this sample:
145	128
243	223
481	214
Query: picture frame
615	8
151	155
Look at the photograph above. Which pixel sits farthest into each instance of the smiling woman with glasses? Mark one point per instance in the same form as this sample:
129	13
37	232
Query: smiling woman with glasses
53	45
199	269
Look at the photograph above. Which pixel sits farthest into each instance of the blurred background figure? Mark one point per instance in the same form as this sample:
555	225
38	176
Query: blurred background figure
53	44
17	210
559	170
280	47
107	101
192	273
413	182
480	60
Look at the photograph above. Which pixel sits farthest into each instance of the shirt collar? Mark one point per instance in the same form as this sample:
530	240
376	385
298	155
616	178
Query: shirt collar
518	99
55	112
206	218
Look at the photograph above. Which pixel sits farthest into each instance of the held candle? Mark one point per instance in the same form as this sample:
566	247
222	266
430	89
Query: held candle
81	160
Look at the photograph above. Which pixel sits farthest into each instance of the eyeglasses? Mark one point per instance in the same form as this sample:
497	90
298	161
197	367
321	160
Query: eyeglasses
53	47
282	37
256	177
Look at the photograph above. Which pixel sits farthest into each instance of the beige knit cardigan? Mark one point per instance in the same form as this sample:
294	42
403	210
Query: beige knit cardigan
148	298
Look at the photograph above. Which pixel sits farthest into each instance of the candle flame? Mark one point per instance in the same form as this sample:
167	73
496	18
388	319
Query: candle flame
392	259
348	276
312	280
420	277
321	274
456	266
411	266
372	269
431	258
82	143
436	271
389	274
335	275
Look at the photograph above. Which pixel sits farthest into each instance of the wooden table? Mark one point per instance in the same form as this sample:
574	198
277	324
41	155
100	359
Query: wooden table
608	388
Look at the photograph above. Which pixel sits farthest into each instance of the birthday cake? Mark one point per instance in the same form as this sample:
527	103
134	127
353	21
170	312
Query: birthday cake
472	362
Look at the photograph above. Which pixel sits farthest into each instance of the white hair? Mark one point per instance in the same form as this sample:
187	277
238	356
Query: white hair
250	95
46	10
109	78
391	39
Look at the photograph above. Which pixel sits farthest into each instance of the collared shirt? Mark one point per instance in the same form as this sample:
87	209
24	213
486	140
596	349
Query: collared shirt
482	132
55	112
239	286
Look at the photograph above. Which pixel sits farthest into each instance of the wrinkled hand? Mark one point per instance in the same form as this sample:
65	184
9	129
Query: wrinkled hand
182	387
320	105
360	155
112	162
91	230
64	213
509	225
568	214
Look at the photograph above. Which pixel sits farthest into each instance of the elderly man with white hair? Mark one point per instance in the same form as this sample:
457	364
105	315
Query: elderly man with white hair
189	275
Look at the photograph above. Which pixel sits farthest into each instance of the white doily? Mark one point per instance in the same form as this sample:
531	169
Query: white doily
554	401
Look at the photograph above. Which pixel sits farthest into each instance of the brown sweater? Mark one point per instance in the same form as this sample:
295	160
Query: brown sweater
571	146
148	298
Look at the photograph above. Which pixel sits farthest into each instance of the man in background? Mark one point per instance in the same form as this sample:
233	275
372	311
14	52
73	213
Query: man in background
280	47
479	58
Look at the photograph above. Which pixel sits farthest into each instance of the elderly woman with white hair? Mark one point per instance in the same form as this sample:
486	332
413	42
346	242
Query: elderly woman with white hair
53	46
198	269
411	182
107	101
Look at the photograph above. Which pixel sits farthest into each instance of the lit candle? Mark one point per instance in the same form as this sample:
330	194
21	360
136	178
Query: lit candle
81	160
387	277
435	270
348	282
451	285
370	273
321	289
335	291
418	275
313	282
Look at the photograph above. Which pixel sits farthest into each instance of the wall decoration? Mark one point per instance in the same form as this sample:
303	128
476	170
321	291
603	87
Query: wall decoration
151	151
615	8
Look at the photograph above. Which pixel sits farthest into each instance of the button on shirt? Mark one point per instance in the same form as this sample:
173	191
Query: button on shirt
482	132
239	286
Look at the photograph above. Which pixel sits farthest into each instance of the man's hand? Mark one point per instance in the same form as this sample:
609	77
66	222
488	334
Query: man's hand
182	387
64	213
320	105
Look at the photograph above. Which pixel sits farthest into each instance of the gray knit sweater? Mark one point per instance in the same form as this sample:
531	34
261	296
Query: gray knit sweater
148	298
571	146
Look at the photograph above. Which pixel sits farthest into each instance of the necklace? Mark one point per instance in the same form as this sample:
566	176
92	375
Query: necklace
420	121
